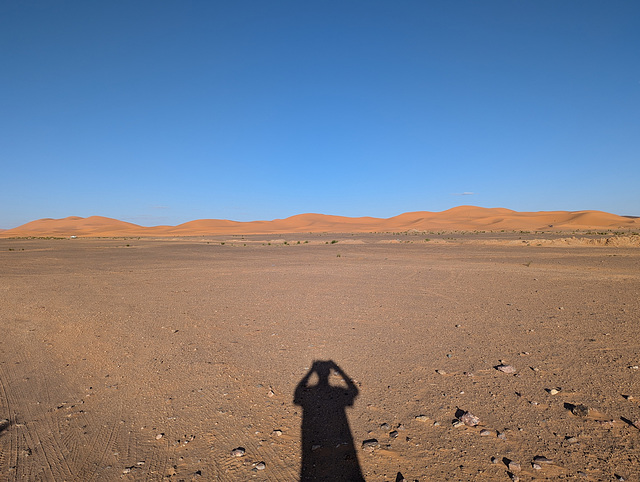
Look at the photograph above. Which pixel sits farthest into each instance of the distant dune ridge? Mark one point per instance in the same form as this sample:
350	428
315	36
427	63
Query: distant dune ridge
461	218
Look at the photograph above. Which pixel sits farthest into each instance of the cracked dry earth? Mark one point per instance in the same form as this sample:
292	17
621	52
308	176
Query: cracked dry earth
155	359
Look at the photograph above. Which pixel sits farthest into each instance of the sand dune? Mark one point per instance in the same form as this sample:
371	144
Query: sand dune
465	218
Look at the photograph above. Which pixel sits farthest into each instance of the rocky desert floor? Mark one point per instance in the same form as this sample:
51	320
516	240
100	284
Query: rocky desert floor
199	358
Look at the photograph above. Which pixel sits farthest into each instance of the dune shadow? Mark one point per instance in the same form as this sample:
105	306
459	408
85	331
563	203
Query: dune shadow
328	451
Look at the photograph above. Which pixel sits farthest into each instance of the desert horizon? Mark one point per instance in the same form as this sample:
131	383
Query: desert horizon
460	218
320	241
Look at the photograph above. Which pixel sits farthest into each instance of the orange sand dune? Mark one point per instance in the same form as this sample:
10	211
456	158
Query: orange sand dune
461	218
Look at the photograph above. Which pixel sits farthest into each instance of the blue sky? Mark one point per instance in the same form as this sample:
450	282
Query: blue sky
165	112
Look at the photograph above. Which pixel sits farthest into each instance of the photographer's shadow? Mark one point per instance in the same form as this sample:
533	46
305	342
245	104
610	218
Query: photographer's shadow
328	451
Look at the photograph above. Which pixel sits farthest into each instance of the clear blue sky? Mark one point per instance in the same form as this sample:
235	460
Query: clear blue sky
164	112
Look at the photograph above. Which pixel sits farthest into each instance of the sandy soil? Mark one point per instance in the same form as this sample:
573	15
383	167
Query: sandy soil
154	359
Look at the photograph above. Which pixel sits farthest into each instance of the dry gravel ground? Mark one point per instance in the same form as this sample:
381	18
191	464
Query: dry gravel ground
154	359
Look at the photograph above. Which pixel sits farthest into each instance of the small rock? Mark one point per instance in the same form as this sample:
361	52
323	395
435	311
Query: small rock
468	374
553	391
626	397
539	459
441	372
277	433
634	367
514	477
385	426
469	419
619	478
422	418
126	470
393	434
485	433
457	423
436	424
581	473
536	466
238	452
495	460
534	403
370	445
506	368
571	440
514	466
580	410
502	436
261	466
315	447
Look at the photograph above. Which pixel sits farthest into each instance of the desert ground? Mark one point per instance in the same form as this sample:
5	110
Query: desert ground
348	356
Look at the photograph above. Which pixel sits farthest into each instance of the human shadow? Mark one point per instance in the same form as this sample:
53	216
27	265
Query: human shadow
328	451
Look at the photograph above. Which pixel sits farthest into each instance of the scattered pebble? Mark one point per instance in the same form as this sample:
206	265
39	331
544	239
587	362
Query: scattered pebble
436	424
277	433
485	432
553	391
238	452
441	372
506	368
580	410
468	374
514	466
571	440
539	459
534	403
261	466
502	436
536	466
159	436
422	418
634	367
469	419
126	470
369	445
626	397
495	460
